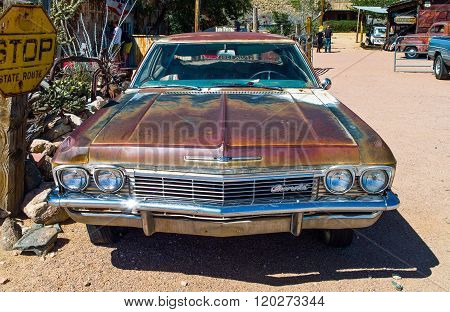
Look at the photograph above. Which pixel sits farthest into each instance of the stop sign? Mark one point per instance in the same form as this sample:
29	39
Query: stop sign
27	48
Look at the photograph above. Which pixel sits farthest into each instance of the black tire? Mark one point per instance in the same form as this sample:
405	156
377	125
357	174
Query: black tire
411	53
439	68
102	235
338	238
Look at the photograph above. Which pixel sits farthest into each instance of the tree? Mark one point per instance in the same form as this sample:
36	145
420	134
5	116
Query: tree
180	13
377	3
281	19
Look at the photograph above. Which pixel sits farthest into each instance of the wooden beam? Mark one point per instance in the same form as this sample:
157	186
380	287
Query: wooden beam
361	28
197	16
357	25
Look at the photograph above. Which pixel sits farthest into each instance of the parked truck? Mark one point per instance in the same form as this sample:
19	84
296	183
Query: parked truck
439	52
417	44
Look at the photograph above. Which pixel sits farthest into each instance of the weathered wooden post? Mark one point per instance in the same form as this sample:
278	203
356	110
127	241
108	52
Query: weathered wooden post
255	19
12	148
13	113
197	16
357	25
308	39
28	47
361	28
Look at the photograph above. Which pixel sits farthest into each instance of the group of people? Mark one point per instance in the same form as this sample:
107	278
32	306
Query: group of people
324	34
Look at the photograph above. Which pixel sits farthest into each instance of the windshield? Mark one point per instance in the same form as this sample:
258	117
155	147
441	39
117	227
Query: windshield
380	31
225	64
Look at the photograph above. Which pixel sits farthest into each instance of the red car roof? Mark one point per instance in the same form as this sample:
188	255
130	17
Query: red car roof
225	36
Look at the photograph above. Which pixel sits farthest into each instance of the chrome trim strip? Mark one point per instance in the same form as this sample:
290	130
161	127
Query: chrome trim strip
228	178
368	203
294	223
222	158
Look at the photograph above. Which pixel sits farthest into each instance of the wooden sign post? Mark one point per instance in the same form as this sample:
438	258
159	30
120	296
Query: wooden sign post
27	50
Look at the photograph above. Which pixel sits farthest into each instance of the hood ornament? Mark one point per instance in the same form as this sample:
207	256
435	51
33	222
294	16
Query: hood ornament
222	159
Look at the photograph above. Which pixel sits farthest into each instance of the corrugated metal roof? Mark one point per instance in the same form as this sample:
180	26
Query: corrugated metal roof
372	9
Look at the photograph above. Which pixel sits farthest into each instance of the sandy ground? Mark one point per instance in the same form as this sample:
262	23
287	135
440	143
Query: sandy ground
410	111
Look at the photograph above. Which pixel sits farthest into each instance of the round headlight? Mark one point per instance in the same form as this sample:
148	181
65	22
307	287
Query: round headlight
339	181
73	179
374	180
109	180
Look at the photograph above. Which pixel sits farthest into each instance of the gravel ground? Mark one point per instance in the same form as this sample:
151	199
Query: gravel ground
410	111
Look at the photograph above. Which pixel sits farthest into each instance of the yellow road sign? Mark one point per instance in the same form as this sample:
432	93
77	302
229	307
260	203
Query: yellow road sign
27	48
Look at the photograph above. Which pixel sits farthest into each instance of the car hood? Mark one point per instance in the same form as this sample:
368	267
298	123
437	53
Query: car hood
231	129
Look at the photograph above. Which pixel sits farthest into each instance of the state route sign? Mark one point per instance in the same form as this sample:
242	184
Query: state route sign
27	48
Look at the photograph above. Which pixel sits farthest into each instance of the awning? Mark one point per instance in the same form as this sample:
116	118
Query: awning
372	9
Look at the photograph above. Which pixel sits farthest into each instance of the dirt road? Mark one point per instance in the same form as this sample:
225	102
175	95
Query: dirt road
410	111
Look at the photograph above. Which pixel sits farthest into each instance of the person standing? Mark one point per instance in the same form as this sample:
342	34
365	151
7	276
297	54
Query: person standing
117	39
328	33
320	39
126	49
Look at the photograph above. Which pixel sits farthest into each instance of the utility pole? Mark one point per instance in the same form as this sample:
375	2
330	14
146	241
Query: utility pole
322	11
255	19
13	121
197	15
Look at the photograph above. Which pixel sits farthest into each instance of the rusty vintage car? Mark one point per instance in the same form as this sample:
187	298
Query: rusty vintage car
225	134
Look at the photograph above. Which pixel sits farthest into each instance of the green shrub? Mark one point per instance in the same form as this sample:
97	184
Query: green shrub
341	26
68	94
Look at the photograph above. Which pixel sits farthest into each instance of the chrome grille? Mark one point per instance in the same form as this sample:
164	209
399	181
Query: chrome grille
222	191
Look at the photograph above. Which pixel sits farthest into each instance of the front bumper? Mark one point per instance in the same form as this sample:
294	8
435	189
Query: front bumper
222	221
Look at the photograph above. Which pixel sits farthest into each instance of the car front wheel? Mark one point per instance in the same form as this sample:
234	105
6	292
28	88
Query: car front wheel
440	70
102	235
411	53
338	238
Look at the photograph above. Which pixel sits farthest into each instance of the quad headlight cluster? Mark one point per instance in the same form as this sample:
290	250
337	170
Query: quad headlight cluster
108	180
372	180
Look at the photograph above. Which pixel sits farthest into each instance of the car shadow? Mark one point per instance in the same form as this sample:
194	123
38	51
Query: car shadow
321	71
389	247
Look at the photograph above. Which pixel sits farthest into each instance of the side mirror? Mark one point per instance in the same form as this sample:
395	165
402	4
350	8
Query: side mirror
326	84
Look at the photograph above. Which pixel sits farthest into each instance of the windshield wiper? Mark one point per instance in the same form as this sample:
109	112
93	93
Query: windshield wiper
176	86
250	84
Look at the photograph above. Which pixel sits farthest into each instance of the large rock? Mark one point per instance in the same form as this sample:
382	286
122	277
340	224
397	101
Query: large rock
38	210
42	146
10	233
57	129
45	167
33	177
74	120
97	104
3	214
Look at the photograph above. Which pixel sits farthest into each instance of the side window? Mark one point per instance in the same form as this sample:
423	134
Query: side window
438	29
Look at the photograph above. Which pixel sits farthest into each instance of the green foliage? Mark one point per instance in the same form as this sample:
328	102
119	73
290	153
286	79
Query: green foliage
341	26
377	3
281	19
62	12
180	13
68	94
